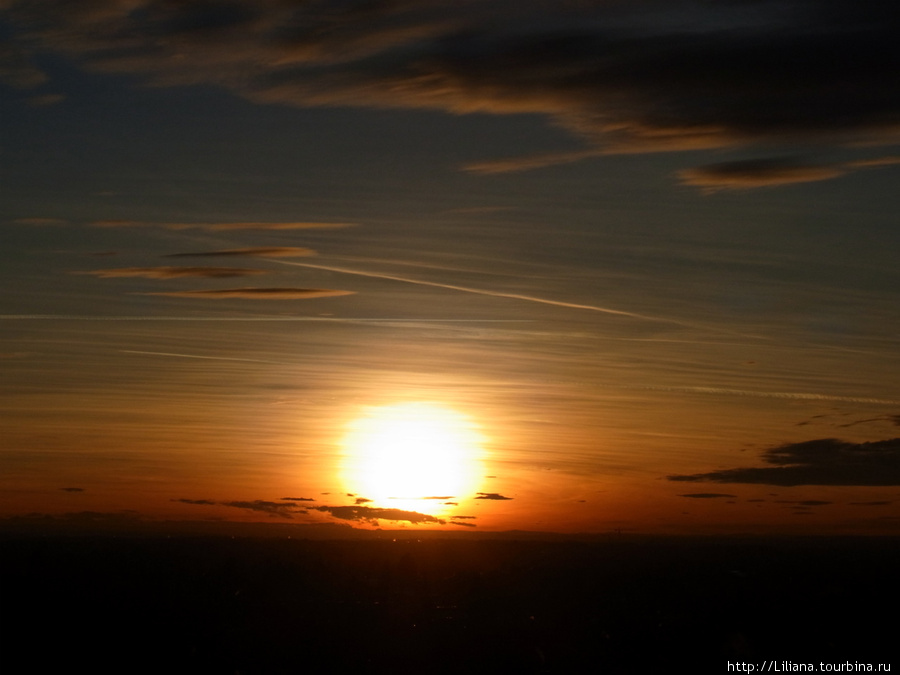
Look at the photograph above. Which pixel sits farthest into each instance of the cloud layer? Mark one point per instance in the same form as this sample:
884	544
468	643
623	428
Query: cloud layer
825	461
639	76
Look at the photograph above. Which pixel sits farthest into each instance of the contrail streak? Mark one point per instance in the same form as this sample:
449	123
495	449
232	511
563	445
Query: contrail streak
192	356
481	291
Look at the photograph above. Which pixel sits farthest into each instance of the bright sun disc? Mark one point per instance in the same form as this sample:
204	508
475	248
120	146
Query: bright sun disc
411	451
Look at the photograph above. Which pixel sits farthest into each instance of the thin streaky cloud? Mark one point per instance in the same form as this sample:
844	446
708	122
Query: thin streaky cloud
173	272
46	100
116	223
255	293
876	162
39	221
530	162
191	356
226	227
790	395
258	252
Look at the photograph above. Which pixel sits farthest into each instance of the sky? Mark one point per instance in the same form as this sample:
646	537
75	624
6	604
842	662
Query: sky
576	266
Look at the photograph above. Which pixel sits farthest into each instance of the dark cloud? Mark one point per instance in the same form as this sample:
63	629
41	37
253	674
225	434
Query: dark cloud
876	503
770	172
893	419
72	489
492	495
258	252
272	508
463	517
372	514
707	495
297	499
361	500
756	173
173	272
804	502
256	293
198	502
826	461
639	76
454	522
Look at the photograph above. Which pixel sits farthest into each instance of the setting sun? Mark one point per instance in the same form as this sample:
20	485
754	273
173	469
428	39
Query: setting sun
410	452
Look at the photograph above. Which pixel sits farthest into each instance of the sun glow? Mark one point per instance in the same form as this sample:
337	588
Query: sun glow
412	455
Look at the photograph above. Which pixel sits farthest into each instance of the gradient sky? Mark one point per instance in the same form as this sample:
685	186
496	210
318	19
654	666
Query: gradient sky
633	263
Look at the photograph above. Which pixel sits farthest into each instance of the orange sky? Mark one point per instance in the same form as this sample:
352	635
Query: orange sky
631	278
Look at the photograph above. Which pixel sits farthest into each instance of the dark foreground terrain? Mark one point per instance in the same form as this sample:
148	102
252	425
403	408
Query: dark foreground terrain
246	605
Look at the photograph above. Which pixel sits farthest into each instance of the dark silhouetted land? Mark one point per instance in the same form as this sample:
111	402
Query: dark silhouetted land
465	605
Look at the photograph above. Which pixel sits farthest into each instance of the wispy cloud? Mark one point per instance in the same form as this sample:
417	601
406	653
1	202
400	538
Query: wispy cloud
529	162
44	100
116	223
257	252
874	163
40	222
755	174
173	272
788	395
193	356
826	461
770	172
224	227
492	496
255	293
227	227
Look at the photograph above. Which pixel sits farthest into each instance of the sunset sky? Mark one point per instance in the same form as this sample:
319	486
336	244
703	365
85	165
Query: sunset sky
575	266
